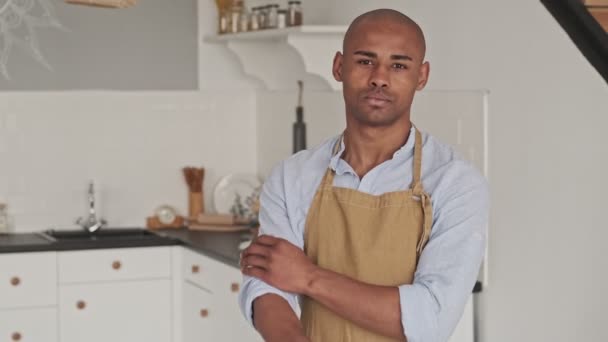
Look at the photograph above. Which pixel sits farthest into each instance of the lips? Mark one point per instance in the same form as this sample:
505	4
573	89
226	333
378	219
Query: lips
376	100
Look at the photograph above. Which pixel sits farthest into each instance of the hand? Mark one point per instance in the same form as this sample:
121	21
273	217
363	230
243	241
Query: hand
279	263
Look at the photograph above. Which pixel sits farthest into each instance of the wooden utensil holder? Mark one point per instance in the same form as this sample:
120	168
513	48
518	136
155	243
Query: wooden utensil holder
196	204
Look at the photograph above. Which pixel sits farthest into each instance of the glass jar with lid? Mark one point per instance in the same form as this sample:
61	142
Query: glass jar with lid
272	17
244	20
5	222
254	19
282	18
234	16
294	13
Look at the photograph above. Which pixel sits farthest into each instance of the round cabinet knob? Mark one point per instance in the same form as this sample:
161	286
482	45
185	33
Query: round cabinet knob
204	313
116	265
81	304
195	269
234	287
15	281
16	336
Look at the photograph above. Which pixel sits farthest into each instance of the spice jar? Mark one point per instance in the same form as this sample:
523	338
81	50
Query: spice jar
282	19
254	19
272	17
294	13
263	16
5	221
223	22
234	21
244	20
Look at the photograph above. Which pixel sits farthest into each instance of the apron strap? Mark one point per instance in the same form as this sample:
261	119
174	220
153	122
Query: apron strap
418	191
328	178
427	217
416	183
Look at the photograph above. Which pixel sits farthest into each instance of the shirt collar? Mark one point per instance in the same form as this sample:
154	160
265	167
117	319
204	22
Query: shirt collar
340	168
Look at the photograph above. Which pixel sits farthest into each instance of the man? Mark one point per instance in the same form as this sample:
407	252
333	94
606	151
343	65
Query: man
375	235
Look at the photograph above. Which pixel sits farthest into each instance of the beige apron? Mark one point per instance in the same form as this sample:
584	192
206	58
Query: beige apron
374	239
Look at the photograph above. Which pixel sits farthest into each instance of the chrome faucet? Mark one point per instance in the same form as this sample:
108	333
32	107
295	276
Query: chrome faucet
91	223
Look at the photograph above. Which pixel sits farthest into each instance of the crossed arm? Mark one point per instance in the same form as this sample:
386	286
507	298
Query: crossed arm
427	310
285	266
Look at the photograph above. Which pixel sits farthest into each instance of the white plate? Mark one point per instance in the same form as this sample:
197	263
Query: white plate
229	186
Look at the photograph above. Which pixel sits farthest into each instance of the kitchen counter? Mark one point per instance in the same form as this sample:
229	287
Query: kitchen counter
217	245
220	246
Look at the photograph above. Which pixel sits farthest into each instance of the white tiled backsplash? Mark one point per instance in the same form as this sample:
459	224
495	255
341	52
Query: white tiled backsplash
132	144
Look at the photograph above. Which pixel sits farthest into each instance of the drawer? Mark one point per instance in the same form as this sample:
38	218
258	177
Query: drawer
122	311
28	280
210	274
114	264
31	325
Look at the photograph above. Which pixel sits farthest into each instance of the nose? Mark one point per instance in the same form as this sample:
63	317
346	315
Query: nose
379	78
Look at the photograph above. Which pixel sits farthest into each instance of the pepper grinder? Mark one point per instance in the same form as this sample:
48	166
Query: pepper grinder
299	127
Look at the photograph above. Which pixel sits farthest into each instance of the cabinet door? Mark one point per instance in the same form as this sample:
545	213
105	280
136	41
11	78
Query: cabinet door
32	325
200	319
115	311
235	326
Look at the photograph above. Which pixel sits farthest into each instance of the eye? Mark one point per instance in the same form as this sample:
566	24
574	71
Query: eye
399	66
364	62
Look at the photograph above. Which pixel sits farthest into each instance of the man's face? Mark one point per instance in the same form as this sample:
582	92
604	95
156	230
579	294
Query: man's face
381	69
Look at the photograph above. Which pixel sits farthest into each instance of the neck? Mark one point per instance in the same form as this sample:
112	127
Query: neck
366	147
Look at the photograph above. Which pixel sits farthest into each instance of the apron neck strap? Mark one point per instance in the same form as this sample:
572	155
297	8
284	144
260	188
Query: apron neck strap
416	182
328	178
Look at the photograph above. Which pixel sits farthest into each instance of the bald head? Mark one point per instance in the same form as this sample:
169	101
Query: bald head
384	19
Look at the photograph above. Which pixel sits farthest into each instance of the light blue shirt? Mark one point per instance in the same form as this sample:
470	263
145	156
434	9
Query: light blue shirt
432	306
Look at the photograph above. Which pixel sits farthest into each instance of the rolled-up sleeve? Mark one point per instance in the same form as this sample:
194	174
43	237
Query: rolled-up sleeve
449	264
274	221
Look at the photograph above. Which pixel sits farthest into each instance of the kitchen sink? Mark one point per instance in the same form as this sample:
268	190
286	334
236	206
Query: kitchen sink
103	234
106	238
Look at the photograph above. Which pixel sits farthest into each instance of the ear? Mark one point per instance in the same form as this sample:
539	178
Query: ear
337	66
423	75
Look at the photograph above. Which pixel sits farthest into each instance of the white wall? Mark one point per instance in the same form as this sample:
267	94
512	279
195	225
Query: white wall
150	46
133	144
547	264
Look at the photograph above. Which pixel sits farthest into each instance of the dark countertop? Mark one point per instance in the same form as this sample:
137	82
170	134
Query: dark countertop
217	245
220	246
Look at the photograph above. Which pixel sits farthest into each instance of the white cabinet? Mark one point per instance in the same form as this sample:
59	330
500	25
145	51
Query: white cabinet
210	311
116	311
121	294
30	325
28	280
239	329
200	318
28	294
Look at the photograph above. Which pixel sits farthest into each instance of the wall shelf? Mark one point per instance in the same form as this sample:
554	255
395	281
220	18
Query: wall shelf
280	57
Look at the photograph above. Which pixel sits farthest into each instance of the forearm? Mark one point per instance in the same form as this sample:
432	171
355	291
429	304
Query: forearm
376	308
275	320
